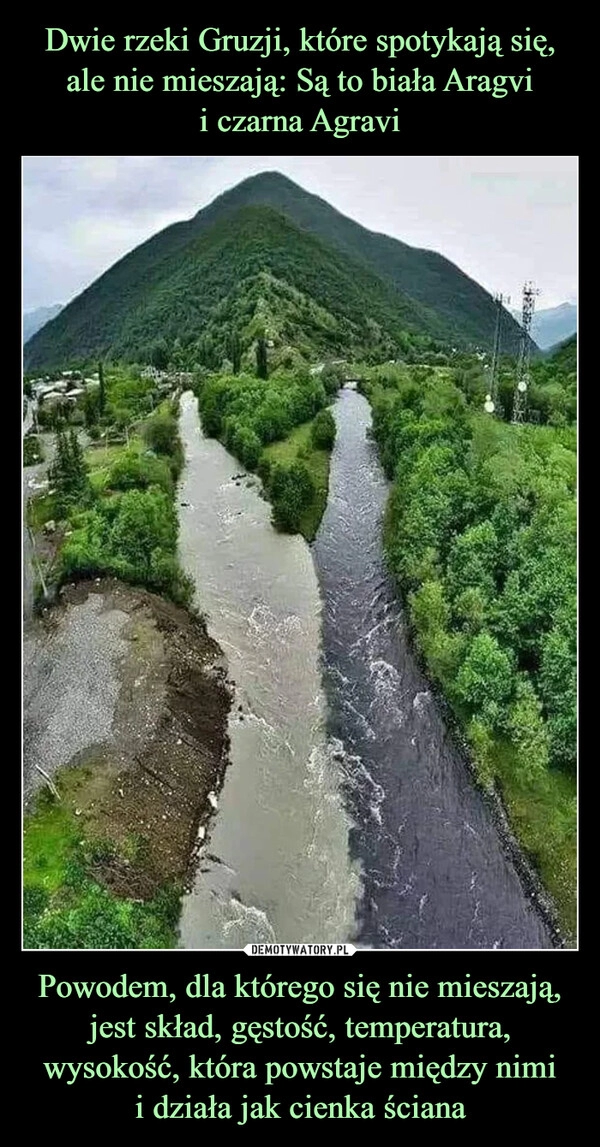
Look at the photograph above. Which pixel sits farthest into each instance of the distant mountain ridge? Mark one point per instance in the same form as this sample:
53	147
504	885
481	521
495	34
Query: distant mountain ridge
553	325
269	255
34	320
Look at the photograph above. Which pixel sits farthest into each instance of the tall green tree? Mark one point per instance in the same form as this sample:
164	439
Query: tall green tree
91	408
234	350
262	364
68	473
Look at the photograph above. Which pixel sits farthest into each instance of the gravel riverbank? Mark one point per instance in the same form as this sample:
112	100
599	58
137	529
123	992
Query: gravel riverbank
131	691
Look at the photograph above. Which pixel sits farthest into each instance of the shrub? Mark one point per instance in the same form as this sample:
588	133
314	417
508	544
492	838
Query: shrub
291	489
133	470
133	536
322	431
160	433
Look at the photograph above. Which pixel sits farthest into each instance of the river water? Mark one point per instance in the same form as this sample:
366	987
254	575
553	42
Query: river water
436	873
276	865
351	818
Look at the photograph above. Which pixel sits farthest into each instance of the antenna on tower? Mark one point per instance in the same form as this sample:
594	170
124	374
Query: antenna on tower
522	384
491	399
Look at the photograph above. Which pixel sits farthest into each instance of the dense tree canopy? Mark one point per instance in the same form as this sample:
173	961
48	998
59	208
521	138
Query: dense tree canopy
481	533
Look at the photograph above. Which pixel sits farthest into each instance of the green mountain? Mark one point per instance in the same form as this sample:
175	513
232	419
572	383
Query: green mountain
268	256
563	355
424	275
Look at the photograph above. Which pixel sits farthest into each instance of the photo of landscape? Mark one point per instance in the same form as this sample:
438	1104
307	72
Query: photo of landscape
299	552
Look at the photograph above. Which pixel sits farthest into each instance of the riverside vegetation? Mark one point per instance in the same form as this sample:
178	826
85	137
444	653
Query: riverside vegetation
281	428
480	537
247	297
116	507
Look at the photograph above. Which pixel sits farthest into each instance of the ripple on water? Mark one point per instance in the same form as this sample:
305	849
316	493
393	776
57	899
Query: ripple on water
404	768
277	864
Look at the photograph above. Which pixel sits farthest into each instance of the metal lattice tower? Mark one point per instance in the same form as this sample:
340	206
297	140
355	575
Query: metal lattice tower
491	399
522	383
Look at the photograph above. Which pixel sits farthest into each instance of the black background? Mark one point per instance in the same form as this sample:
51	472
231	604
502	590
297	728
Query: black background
546	121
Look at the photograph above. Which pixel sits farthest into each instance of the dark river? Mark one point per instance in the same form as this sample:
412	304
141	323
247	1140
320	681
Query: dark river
435	873
347	812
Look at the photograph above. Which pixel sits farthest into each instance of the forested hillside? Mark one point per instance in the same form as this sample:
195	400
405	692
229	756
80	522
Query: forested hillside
465	308
267	253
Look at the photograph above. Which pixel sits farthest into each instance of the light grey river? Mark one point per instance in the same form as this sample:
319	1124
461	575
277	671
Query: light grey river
277	865
347	811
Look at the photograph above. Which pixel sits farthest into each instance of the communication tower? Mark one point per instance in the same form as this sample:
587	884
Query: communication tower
522	383
491	399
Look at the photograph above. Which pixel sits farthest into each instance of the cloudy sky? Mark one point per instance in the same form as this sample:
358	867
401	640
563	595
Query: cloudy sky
502	219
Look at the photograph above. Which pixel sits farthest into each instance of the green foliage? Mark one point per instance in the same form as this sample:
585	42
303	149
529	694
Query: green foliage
267	255
480	531
160	432
133	470
558	691
553	390
234	348
331	377
485	679
132	536
91	407
269	409
159	354
323	430
131	530
248	414
35	901
92	918
528	732
101	390
291	489
68	474
481	738
262	363
128	396
64	906
145	523
246	445
481	527
298	446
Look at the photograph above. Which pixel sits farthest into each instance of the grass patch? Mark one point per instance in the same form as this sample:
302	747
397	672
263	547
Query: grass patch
41	508
545	822
63	905
101	457
298	447
99	460
49	841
